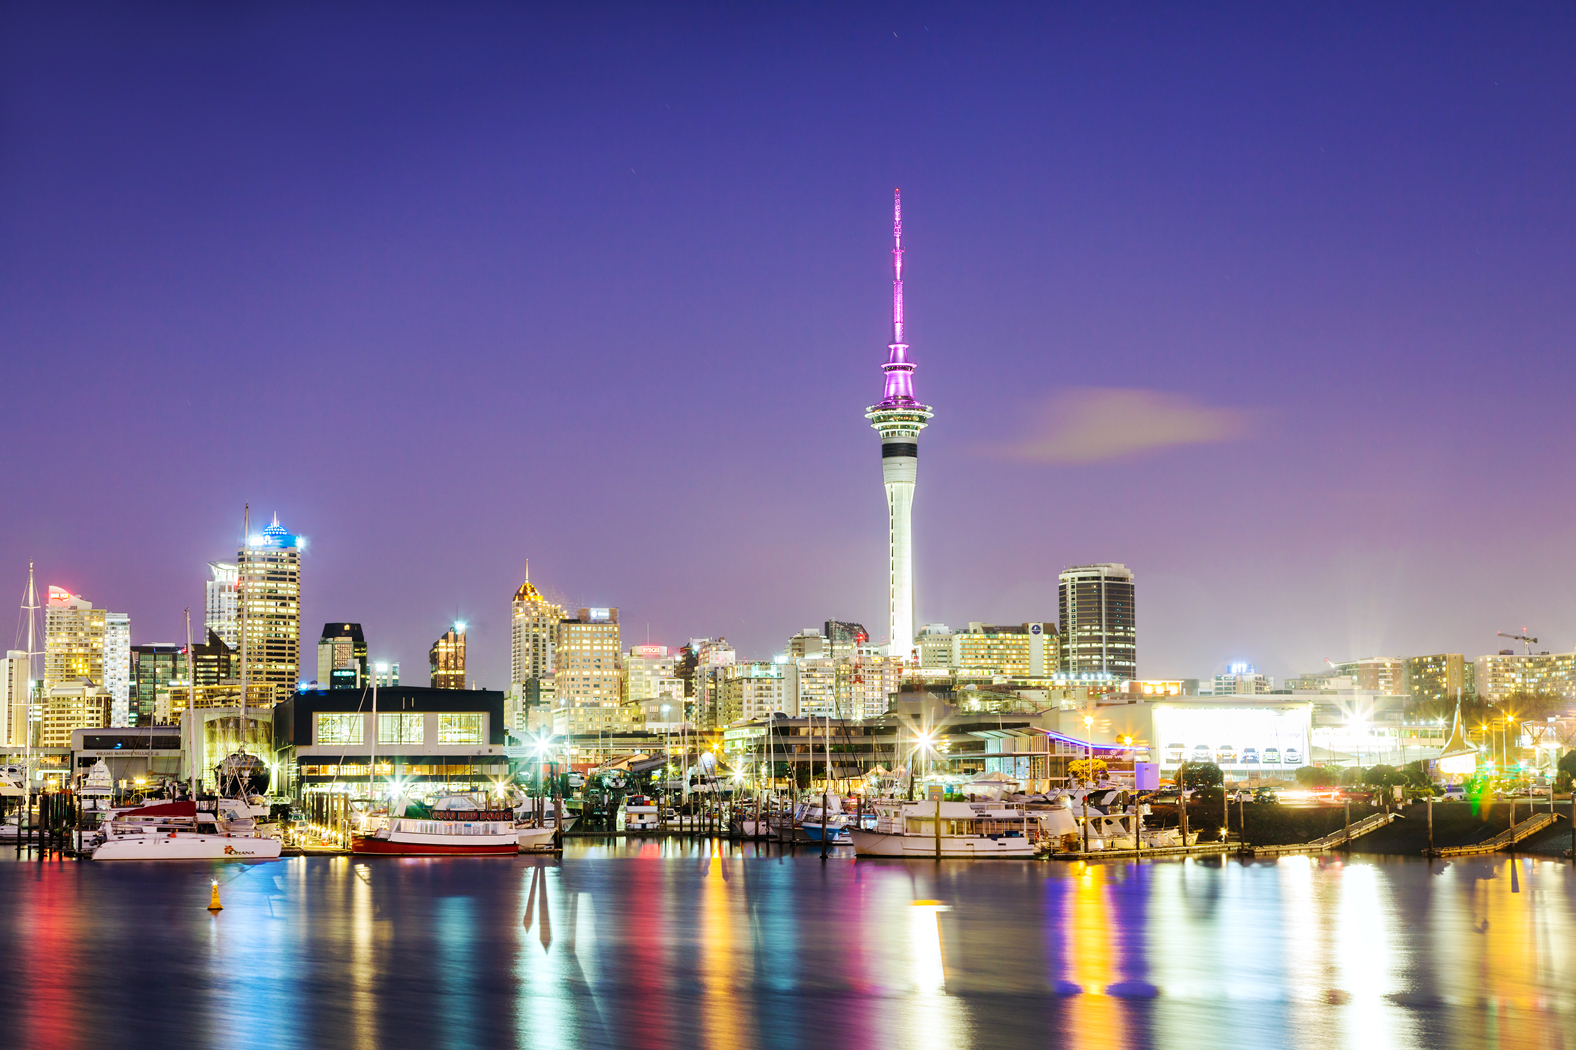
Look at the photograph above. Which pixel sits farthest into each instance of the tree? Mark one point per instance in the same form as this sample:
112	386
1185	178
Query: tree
1081	768
1202	775
1382	776
1315	777
1352	776
1567	764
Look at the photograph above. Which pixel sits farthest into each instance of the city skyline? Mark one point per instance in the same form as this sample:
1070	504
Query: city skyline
1281	358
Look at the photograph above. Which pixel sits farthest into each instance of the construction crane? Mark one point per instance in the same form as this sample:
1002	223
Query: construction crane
1525	640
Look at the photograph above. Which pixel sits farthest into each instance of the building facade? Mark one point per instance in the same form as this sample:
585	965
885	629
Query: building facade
14	726
1508	673
1099	636
1381	674
221	603
1242	680
588	681
342	657
898	418
533	634
752	689
1014	651
810	686
73	639
1441	677
713	657
446	658
117	667
71	705
268	583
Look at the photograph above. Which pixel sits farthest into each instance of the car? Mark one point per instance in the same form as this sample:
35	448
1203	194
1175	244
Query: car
1293	757
1174	752
1264	795
1226	753
1272	756
1201	752
1250	756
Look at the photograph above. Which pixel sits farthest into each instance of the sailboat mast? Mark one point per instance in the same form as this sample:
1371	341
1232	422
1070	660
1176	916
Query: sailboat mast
191	705
30	604
240	584
372	755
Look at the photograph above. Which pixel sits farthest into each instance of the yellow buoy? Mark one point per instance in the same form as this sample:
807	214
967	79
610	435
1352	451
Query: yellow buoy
213	899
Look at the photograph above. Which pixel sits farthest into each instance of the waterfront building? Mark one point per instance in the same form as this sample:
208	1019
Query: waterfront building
14	684
117	666
268	584
73	639
67	706
1099	637
447	659
1383	674
440	739
1439	677
899	417
342	657
221	603
587	676
1242	679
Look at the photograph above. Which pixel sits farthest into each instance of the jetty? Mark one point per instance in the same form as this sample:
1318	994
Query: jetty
1509	837
1325	843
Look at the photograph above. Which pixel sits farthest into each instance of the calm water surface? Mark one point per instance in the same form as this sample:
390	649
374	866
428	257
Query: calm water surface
695	945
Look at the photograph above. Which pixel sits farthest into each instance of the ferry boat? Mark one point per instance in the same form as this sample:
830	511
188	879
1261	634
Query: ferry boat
637	813
968	830
175	831
455	826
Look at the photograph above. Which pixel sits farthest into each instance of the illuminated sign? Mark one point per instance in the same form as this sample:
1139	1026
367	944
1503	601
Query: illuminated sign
60	596
1237	737
650	650
599	615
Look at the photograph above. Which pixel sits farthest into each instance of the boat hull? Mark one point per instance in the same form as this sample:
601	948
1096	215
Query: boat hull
369	845
885	844
535	840
187	847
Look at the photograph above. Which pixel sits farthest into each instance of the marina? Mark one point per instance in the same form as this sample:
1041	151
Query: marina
635	942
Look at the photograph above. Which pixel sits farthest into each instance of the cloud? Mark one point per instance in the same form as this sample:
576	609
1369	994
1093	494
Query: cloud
1091	424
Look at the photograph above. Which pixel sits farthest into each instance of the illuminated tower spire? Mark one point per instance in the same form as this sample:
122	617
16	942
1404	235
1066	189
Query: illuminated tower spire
899	418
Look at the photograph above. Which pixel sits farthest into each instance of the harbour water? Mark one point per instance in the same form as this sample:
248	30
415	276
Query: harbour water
694	944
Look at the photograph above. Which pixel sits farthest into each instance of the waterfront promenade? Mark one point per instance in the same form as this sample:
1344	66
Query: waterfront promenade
689	944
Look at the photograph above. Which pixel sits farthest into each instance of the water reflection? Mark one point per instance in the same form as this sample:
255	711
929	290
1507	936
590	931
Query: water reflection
691	944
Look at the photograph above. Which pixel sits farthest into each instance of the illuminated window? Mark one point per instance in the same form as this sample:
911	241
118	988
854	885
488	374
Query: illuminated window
460	729
401	729
338	728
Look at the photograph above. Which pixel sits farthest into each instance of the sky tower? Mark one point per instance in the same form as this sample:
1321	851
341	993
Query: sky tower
899	418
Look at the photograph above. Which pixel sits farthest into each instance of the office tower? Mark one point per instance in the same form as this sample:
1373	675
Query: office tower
1242	679
117	667
447	659
533	632
935	647
385	675
158	680
216	669
73	639
1099	637
587	676
13	700
712	659
268	579
221	608
78	703
342	657
899	418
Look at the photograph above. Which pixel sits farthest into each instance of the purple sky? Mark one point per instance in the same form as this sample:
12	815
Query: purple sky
1272	304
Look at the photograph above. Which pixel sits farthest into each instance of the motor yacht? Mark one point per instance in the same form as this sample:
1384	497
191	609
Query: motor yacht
967	830
454	826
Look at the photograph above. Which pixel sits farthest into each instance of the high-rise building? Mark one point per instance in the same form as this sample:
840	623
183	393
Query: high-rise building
1019	651
221	607
751	690
1508	673
1440	677
1099	633
13	699
588	681
810	686
533	633
73	639
899	418
713	658
844	638
158	675
78	703
447	659
268	580
117	667
808	642
342	657
935	647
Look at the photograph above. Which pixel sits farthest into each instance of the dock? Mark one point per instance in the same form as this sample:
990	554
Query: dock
1509	837
1327	842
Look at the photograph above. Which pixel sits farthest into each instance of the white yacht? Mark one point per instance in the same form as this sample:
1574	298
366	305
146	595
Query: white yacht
176	831
968	830
638	813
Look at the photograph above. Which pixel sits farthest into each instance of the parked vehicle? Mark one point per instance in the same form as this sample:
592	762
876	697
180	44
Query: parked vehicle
1250	756
1225	753
1293	757
1272	756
